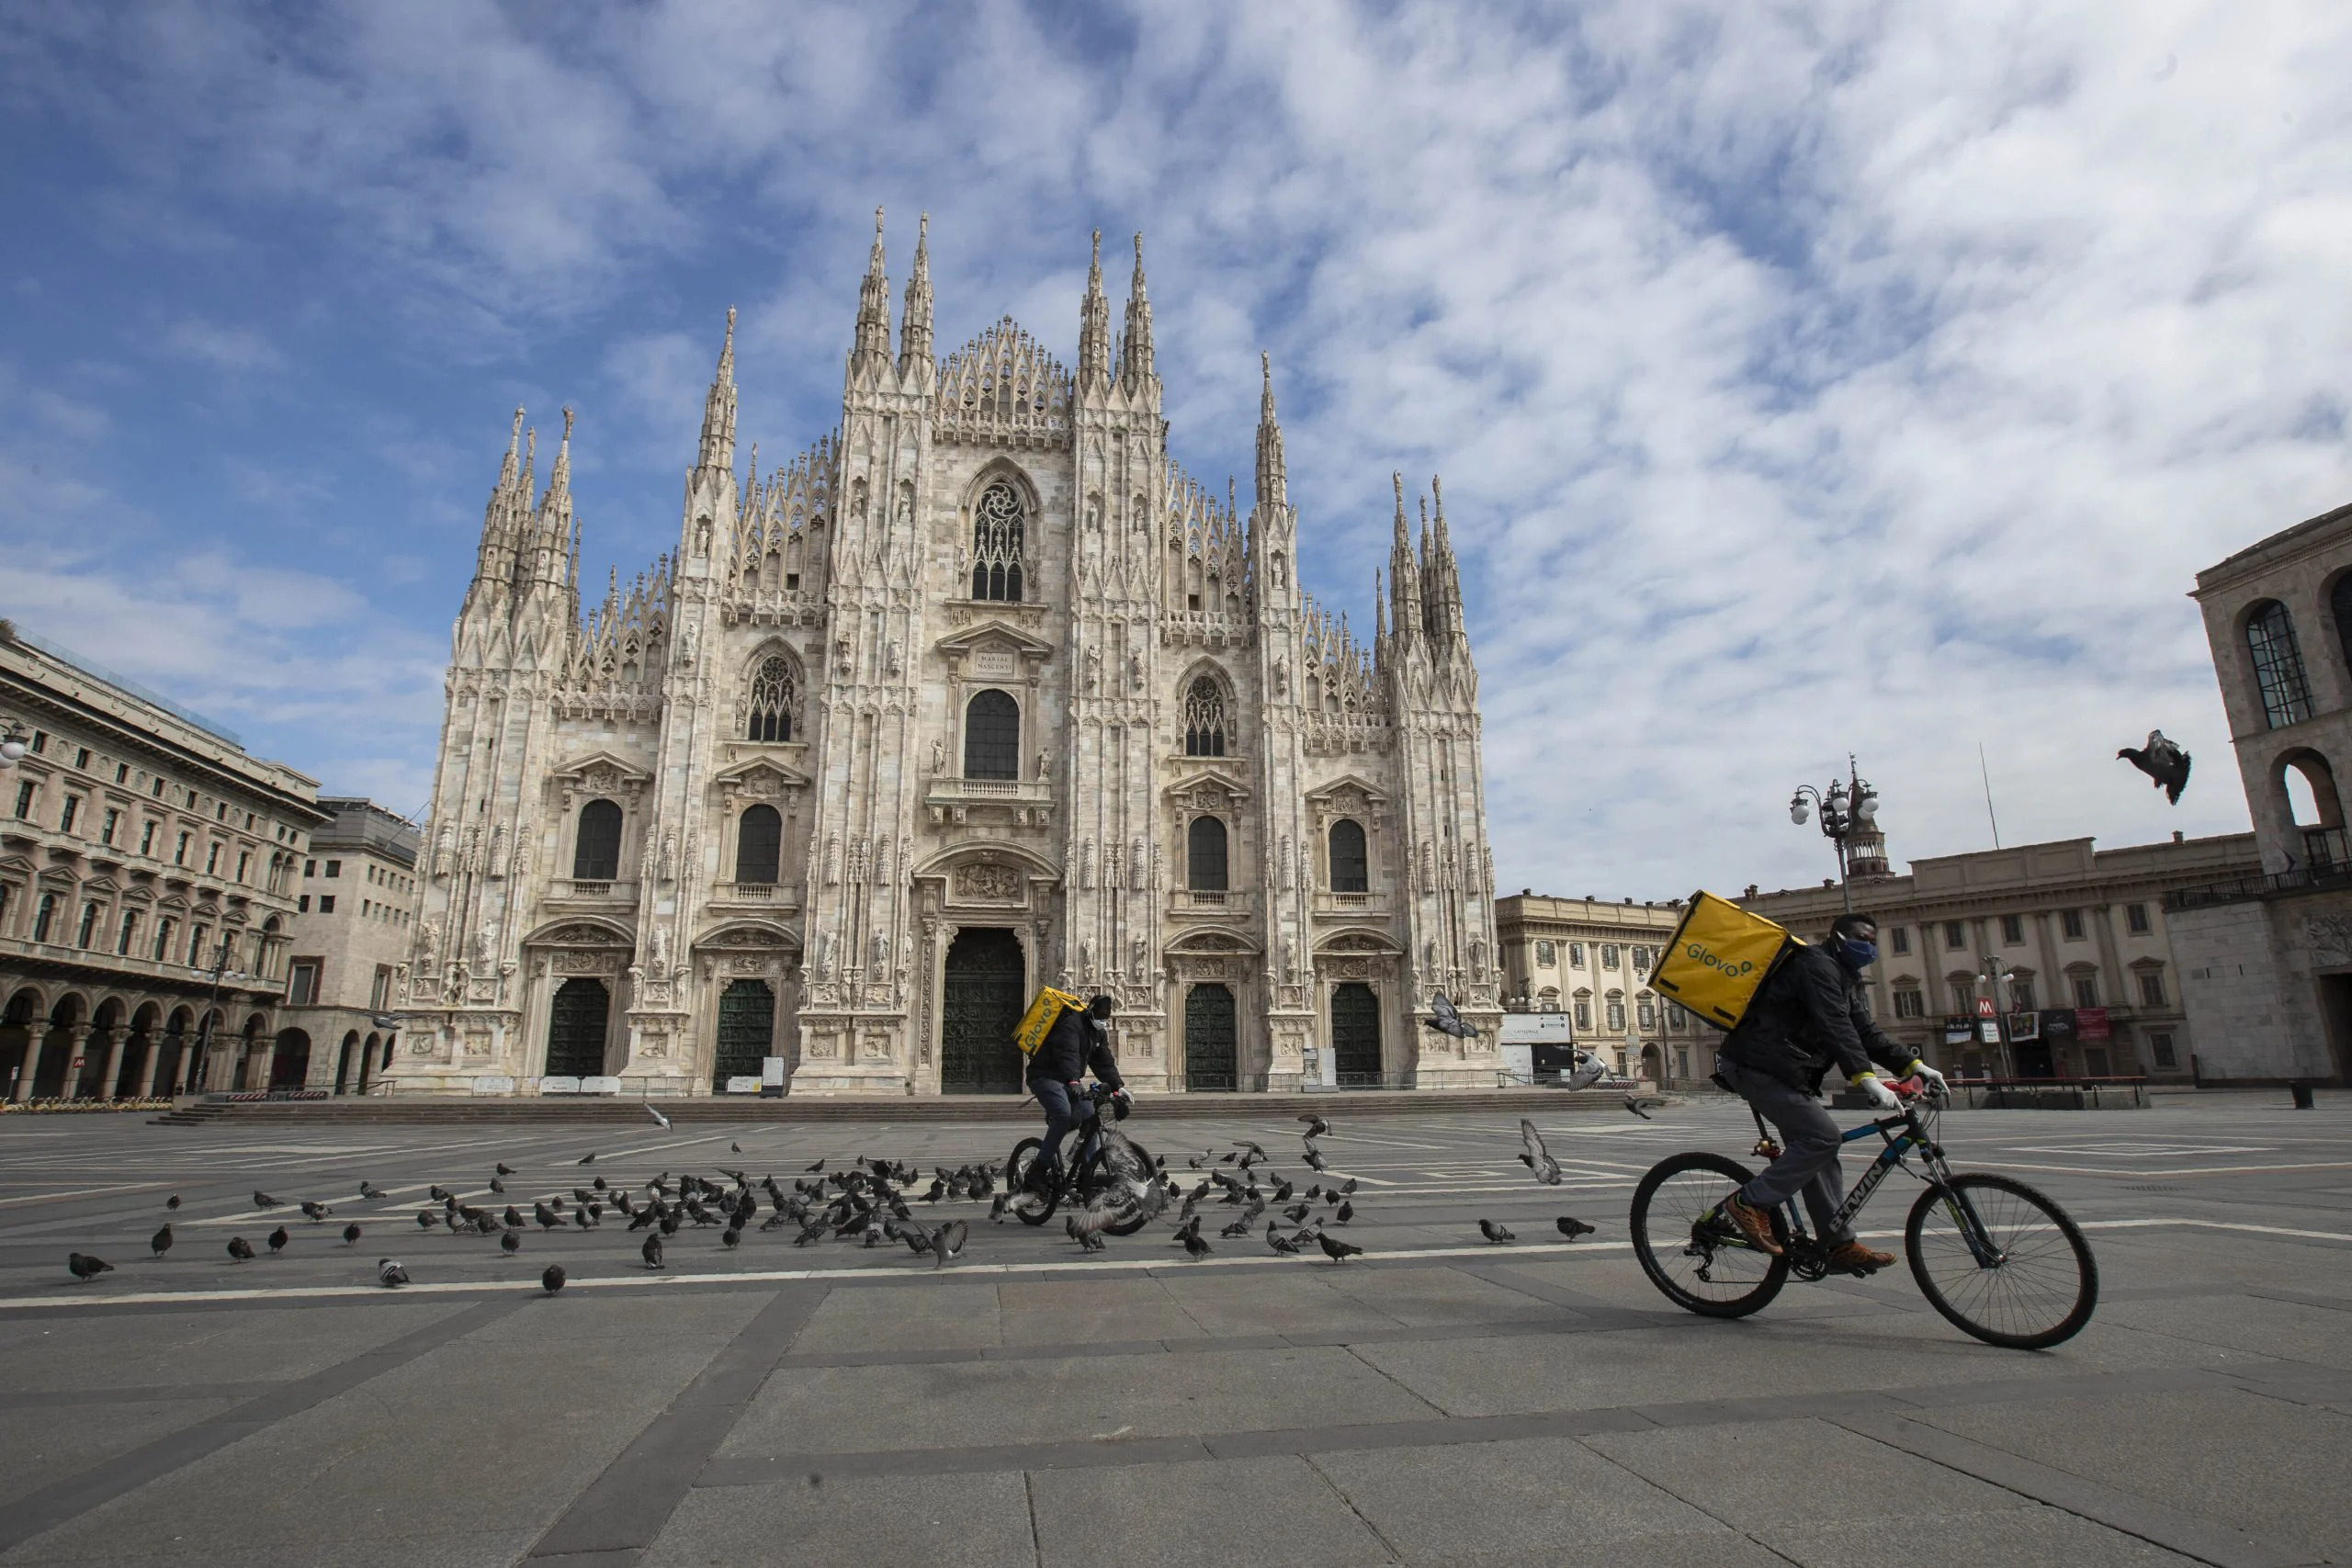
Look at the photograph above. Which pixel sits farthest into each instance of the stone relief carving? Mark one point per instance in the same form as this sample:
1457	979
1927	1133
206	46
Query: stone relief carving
2330	935
1000	884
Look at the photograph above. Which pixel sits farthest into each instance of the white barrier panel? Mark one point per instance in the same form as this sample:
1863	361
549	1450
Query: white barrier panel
558	1086
600	1086
771	1072
494	1086
743	1086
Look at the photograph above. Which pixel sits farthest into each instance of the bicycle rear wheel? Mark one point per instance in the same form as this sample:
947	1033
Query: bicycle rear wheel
1697	1259
1031	1208
2036	1283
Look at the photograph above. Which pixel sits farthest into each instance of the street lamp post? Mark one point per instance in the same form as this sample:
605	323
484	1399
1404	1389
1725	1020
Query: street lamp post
1993	974
15	741
1849	808
220	970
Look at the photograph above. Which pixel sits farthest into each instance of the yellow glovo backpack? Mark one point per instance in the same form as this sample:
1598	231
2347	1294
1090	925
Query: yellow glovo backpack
1038	1021
1719	958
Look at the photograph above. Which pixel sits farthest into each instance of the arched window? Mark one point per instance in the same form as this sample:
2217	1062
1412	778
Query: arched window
775	694
998	529
2340	602
992	737
1351	871
45	920
597	856
2278	665
759	844
1205	719
1205	855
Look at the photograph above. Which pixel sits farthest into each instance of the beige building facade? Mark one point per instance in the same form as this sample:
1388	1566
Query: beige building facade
354	916
978	691
1591	960
147	874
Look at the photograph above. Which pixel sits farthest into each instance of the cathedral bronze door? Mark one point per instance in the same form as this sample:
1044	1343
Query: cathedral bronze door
746	1031
983	1002
1355	1035
576	1030
1208	1038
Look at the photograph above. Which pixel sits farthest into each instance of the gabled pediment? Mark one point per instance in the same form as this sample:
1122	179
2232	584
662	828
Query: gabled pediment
1205	790
964	643
1207	939
756	774
1347	788
602	761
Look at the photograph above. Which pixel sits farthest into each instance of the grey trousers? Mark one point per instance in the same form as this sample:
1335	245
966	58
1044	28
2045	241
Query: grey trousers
1810	1144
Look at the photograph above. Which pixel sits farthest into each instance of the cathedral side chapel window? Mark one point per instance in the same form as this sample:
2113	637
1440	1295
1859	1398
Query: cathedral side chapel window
773	700
1205	719
1351	867
992	737
596	857
999	528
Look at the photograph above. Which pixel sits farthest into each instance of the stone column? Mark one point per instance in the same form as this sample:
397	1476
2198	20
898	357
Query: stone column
36	1039
115	1039
77	1041
154	1047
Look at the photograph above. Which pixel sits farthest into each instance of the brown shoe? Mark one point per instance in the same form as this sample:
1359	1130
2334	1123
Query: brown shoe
1755	1226
1854	1256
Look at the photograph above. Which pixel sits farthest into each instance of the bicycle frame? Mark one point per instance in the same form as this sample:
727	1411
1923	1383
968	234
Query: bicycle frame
1902	1135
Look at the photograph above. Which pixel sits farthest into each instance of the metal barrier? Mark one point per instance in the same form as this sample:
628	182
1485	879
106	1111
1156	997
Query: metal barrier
2050	1094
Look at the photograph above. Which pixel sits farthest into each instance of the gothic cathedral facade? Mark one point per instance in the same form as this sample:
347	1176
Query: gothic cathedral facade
978	694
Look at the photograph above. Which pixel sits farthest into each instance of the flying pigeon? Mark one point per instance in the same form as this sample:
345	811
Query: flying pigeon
390	1274
1589	1070
85	1267
552	1280
1316	1125
1635	1107
1496	1234
1314	1157
2164	762
160	1242
1445	1021
1572	1227
1535	1157
649	1111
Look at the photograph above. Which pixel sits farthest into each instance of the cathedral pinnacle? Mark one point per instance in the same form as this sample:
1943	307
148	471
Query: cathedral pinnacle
1135	349
718	447
1094	326
872	348
1272	479
1404	572
914	333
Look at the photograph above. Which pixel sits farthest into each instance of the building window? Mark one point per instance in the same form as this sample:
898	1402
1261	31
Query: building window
326	900
759	845
123	772
2086	990
1910	1003
303	905
998	526
992	737
1964	995
1205	858
1955	935
1548	1000
1616	1012
45	916
2278	665
2021	993
245	863
2135	918
1205	718
1609	955
2012	931
379	992
1545	954
73	811
179	855
198	958
302	983
221	811
1576	955
212	861
158	791
165	928
774	693
334	867
1646	1013
129	929
82	759
2161	1045
1641	960
1351	873
2151	987
26	792
108	829
1584	1009
1898	939
309	868
147	837
41	742
2070	922
89	927
595	854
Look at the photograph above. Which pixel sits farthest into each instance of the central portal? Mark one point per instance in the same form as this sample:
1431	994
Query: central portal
983	1003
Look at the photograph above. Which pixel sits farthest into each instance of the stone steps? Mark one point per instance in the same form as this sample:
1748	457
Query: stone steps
456	1109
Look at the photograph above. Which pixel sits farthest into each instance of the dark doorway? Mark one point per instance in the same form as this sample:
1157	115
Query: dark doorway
343	1062
1355	1035
746	1029
2034	1060
2336	1011
576	1030
290	1063
1208	1038
983	1002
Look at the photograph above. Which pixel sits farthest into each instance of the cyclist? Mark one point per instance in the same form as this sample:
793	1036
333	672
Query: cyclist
1811	1015
1077	1042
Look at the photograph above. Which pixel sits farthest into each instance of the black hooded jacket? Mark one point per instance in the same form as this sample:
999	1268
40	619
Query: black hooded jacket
1073	1044
1811	1014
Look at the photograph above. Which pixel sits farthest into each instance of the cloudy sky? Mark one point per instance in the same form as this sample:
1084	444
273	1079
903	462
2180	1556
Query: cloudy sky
1805	378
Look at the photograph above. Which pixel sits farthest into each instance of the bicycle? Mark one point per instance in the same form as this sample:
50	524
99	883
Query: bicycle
1999	1260
1094	1167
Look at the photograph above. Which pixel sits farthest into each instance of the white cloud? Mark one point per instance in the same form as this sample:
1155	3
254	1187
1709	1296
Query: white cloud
230	349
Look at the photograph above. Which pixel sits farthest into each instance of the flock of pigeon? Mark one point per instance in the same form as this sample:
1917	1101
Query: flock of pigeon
871	1201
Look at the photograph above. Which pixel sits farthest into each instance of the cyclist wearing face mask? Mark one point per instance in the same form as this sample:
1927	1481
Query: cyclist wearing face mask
1077	1042
1809	1016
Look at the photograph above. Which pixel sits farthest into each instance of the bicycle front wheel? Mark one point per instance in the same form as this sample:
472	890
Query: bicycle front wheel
1031	1208
1695	1258
2001	1261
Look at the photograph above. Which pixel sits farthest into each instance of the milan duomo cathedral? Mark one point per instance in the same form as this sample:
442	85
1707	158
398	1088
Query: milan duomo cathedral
979	693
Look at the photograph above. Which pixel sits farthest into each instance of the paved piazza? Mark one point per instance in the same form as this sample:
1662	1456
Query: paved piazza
1440	1401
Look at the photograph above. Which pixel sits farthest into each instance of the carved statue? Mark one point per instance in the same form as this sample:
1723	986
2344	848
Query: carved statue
1093	669
882	863
1282	675
1137	952
938	758
689	640
1045	761
428	937
896	658
832	860
1134	671
823	958
880	949
485	947
470	859
1085	956
668	867
1138	864
661	951
441	852
1281	865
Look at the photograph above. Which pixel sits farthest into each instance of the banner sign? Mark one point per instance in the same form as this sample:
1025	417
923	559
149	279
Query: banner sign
558	1086
2057	1023
2090	1023
2025	1026
743	1085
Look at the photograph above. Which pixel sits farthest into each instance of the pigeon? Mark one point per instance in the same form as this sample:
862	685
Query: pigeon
1316	1125
1239	1227
651	1251
1589	1070
424	1219
390	1274
1279	1241
351	1233
277	1239
1315	1160
649	1111
510	1243
160	1242
368	1190
1445	1021
1346	1188
1335	1249
439	1193
240	1249
84	1267
2164	762
514	1220
1572	1227
1297	1213
734	1149
590	1157
1347	1212
1196	1248
1496	1234
732	1238
263	1200
552	1280
314	1212
1635	1107
598	1184
947	1243
1535	1157
819	1165
496	1185
505	1170
173	1201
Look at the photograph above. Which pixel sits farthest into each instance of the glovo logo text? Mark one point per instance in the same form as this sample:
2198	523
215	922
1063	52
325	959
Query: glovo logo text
1733	969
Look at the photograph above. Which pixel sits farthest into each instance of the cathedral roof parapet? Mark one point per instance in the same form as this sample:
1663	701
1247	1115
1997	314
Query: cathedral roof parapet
1004	389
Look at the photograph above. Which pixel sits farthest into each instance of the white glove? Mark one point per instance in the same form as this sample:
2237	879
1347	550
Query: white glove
1880	1097
1928	1076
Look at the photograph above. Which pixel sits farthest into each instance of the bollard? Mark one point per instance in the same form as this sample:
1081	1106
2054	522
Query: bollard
2302	1093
